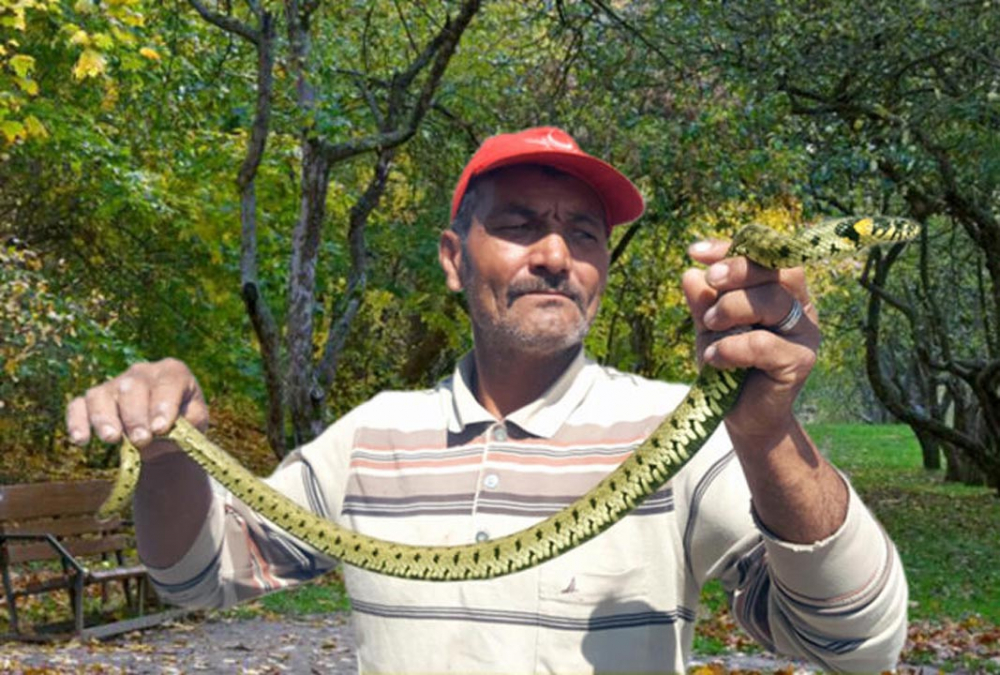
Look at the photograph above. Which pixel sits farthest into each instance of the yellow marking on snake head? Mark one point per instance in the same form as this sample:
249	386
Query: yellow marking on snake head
864	227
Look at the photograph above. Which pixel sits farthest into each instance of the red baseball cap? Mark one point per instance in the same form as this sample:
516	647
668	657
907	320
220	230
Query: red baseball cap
553	147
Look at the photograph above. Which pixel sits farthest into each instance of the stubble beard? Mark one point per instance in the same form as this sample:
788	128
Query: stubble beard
505	334
511	337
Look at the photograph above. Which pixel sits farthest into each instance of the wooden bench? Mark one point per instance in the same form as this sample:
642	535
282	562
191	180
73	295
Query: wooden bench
47	522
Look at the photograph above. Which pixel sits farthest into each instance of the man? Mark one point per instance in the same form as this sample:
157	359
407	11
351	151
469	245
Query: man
527	423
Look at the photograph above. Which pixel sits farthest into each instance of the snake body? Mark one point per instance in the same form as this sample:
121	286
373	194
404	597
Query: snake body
653	463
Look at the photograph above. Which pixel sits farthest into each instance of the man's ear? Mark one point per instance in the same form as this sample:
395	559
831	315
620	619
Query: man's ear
450	257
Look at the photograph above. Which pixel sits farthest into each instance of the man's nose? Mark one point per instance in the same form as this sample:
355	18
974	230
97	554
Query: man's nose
551	253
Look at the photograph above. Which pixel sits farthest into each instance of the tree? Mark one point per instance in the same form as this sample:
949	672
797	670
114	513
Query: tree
902	98
396	104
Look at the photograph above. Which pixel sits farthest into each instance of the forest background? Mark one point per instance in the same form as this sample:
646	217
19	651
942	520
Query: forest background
257	187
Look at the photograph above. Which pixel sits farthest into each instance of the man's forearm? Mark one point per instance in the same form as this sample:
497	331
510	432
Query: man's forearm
797	494
171	503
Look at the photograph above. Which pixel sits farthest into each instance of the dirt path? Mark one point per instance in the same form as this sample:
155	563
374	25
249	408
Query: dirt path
322	644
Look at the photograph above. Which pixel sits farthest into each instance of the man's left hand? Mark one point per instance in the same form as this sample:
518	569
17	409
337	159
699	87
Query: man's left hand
733	302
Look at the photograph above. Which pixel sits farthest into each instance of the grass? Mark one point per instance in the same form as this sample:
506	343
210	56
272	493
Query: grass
947	534
320	596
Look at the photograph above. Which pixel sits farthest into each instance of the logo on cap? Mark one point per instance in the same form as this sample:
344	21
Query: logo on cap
550	141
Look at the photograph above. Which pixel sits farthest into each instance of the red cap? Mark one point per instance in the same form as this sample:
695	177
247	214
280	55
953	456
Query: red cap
553	147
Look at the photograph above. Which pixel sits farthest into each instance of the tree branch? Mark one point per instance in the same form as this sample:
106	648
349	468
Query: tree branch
892	401
226	23
442	48
357	280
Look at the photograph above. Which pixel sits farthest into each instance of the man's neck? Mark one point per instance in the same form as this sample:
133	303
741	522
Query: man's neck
506	382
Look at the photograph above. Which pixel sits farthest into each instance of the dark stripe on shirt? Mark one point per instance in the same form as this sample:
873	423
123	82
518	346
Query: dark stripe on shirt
497	503
509	617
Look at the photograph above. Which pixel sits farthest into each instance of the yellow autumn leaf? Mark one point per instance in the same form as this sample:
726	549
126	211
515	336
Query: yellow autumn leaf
80	37
12	130
150	53
131	18
15	20
122	37
22	64
90	64
30	87
35	127
103	41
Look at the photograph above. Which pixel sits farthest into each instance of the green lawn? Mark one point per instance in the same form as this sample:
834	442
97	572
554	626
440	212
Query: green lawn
948	535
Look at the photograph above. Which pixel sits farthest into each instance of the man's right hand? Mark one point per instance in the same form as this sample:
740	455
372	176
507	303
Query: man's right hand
142	402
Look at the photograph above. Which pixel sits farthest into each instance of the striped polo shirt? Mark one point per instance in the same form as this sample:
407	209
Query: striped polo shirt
434	467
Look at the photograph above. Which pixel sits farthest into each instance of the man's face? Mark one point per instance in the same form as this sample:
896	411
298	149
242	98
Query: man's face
535	261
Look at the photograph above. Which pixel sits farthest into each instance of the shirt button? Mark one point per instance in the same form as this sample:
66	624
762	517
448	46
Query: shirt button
500	434
482	536
491	480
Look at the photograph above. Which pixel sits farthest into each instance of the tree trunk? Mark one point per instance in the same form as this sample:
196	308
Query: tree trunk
398	105
960	469
930	450
304	396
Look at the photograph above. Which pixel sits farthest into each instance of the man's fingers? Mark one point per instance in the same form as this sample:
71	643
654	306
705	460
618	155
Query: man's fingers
783	359
142	402
102	412
699	295
77	422
708	251
174	396
726	274
133	408
165	402
195	411
761	306
734	273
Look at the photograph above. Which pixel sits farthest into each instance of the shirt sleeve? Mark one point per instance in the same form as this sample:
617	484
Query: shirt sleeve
239	554
840	603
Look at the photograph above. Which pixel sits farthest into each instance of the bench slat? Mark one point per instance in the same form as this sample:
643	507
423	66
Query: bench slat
63	527
22	552
44	500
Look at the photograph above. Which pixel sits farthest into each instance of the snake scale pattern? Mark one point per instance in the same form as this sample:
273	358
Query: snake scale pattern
651	465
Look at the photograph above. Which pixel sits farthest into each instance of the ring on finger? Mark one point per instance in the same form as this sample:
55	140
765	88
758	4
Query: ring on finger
791	320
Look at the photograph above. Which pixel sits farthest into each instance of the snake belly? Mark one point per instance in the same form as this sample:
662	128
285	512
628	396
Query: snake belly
655	461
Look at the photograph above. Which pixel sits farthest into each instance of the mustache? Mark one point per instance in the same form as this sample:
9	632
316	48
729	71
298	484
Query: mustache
561	286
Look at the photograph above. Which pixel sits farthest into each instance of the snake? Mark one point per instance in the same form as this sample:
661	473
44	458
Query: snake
650	465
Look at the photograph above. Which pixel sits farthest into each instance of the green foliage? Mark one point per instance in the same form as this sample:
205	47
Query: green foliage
132	182
53	342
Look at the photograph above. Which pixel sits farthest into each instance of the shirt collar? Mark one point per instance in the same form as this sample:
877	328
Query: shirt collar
542	417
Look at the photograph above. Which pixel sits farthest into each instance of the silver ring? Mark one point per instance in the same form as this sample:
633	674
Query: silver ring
791	320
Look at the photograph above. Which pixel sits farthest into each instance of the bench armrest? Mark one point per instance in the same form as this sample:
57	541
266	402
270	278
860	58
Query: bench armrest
67	557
